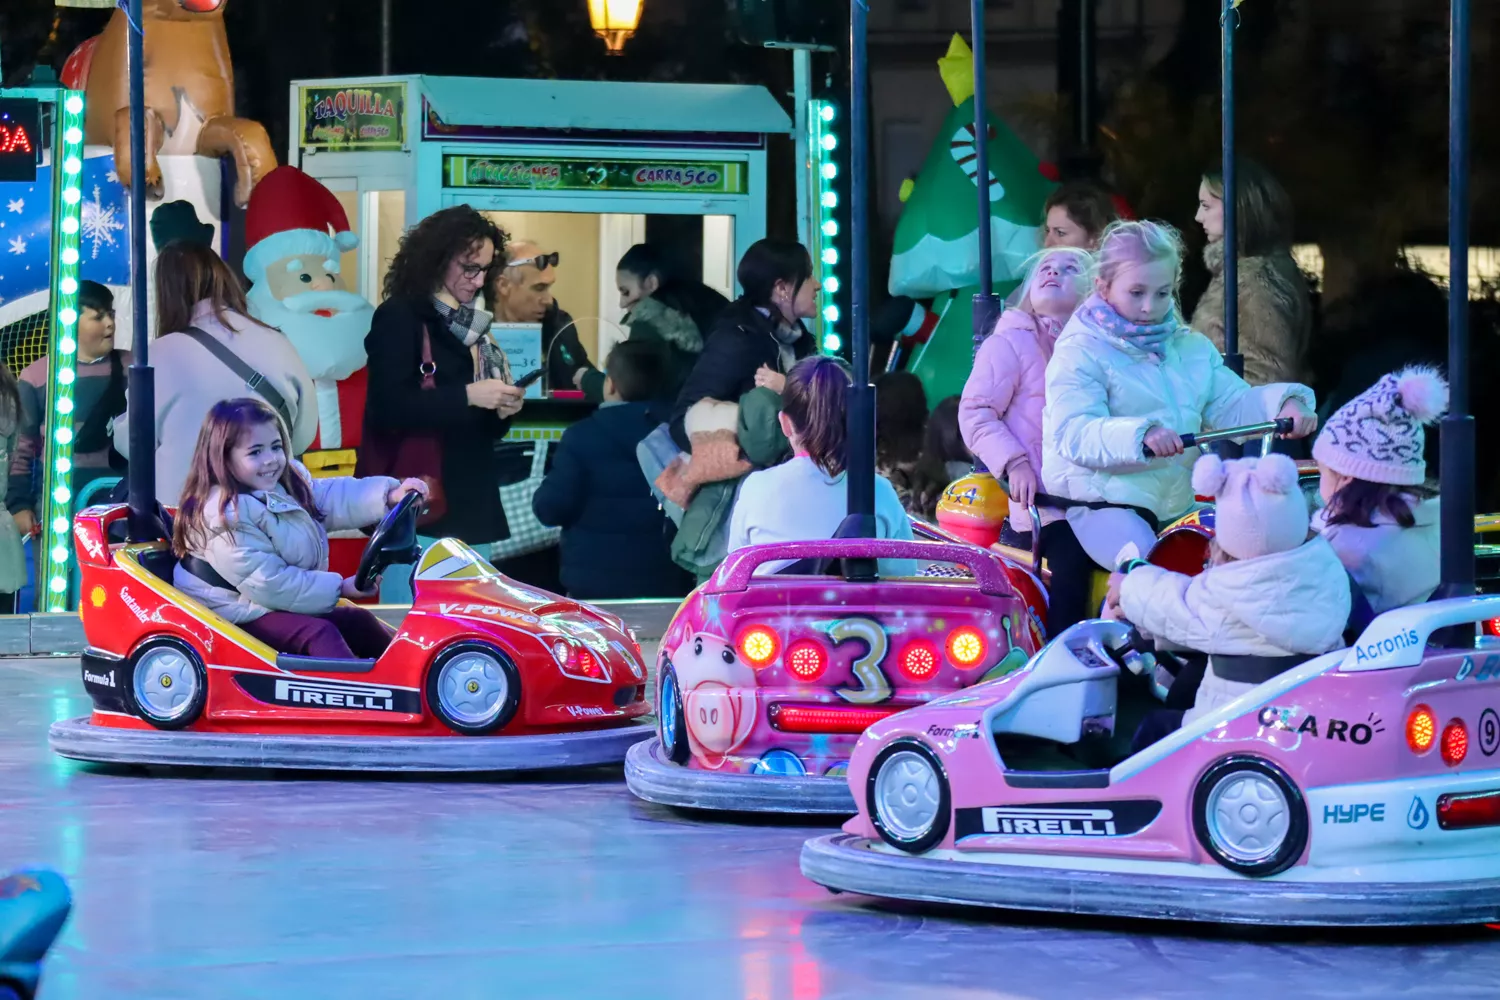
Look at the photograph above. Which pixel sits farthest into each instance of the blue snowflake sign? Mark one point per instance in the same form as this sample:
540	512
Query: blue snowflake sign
26	236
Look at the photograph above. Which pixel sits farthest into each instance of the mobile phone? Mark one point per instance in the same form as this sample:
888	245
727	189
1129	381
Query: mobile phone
530	377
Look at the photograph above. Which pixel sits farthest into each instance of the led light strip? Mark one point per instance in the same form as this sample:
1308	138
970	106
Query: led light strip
62	350
820	117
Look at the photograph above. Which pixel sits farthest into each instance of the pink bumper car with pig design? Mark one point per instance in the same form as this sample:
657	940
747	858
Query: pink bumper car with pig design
766	680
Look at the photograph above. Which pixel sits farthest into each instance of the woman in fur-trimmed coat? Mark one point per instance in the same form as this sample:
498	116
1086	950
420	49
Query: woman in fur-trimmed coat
1275	310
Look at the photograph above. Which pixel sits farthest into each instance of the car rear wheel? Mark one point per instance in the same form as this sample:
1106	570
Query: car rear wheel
907	797
1250	816
473	688
671	720
168	684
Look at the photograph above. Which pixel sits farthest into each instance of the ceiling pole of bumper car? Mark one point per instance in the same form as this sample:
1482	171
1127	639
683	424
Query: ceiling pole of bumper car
987	304
862	397
142	385
1457	428
1228	20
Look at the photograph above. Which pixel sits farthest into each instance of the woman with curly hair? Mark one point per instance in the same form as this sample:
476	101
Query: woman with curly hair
437	380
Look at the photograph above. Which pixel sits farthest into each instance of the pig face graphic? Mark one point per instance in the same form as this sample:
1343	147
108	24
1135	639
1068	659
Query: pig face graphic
718	696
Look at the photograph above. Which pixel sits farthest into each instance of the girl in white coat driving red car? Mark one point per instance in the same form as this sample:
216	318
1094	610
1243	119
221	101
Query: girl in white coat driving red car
252	537
1126	380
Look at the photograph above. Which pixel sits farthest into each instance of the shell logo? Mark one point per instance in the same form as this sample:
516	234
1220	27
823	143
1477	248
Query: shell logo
97	597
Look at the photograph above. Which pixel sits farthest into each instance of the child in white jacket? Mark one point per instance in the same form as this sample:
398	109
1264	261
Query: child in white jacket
1379	515
1273	593
252	537
1128	375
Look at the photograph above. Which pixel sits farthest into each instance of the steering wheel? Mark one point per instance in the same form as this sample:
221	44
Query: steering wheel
394	541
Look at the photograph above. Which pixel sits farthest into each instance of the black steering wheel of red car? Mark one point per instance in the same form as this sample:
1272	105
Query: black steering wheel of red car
394	541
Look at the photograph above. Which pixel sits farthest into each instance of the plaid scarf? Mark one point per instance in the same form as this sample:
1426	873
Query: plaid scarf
469	325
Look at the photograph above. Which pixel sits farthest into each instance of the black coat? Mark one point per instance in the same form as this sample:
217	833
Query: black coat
743	339
396	402
615	541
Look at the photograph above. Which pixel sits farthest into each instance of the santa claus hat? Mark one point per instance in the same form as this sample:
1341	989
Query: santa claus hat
290	213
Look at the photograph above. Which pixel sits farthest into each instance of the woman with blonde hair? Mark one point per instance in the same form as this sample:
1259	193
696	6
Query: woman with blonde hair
209	349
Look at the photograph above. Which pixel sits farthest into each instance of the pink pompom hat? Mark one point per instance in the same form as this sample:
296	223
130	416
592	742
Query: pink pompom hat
1377	436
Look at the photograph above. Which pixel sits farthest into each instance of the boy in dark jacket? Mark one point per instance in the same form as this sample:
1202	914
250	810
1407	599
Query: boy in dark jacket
615	542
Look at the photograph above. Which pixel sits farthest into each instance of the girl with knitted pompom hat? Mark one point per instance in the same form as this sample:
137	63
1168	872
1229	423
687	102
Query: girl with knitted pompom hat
1380	515
1273	595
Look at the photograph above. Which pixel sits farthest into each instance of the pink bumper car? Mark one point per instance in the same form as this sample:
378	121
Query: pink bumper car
1361	787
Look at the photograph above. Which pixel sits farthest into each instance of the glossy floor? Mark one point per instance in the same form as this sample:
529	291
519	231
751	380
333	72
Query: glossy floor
290	888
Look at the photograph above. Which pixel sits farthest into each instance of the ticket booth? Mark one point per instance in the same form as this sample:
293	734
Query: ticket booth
576	166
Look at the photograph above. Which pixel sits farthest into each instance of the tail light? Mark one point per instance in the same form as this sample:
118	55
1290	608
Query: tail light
807	660
1492	627
1421	729
919	660
1455	745
965	646
1468	810
758	645
835	719
578	663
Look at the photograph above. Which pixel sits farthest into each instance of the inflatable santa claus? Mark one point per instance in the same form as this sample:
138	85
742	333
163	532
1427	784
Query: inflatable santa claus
296	231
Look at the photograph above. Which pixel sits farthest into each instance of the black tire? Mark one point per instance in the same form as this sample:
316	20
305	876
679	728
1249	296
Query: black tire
911	841
478	722
671	719
144	695
1256	774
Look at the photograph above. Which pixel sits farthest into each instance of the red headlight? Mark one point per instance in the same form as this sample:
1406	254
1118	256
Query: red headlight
1492	626
1421	729
806	660
758	645
919	660
577	662
1455	745
965	647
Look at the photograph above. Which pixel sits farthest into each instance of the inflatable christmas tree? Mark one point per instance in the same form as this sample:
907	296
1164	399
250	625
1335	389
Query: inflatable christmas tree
937	238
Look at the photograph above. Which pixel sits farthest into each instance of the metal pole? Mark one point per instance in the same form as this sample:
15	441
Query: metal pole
862	397
987	305
142	386
385	37
801	95
1232	358
1457	428
1087	18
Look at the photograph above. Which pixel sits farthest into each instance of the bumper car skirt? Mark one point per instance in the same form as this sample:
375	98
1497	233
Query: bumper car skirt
651	776
81	740
846	863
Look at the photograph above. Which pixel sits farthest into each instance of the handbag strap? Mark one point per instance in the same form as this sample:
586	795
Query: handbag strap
428	368
256	382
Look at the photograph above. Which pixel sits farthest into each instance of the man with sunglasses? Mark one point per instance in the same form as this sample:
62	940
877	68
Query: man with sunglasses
98	397
522	293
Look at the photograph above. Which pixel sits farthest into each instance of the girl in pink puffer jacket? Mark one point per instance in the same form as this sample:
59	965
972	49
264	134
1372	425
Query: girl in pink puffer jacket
1001	412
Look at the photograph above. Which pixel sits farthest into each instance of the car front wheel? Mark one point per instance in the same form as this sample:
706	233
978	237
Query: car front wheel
1250	816
168	684
672	722
473	688
907	797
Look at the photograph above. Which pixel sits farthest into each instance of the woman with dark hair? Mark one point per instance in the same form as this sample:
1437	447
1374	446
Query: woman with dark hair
438	384
1275	309
664	308
760	335
208	348
807	498
1076	215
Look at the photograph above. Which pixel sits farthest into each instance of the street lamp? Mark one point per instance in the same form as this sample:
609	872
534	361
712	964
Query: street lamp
615	21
